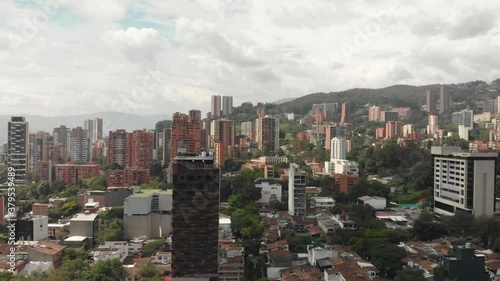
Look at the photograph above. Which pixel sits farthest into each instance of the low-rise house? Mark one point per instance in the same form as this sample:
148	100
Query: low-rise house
45	251
378	203
319	253
322	203
278	245
111	250
233	269
280	258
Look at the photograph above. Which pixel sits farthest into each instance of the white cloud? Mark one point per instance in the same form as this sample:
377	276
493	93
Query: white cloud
158	57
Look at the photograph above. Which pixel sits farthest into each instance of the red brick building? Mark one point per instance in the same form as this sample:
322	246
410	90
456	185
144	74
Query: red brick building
41	209
345	182
186	132
127	177
44	169
70	173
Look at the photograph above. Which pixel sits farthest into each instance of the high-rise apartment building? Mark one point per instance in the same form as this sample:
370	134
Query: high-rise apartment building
463	181
80	146
445	100
93	128
345	113
393	129
167	145
386	116
131	150
117	147
195	216
430	99
186	134
408	129
71	173
296	191
40	145
335	130
248	129
432	124
141	149
18	147
206	132
267	131
374	113
496	129
216	106
62	144
227	105
338	148
464	117
194	113
223	130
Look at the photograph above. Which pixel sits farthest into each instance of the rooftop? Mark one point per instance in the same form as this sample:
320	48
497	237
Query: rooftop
84	217
75	239
150	192
47	247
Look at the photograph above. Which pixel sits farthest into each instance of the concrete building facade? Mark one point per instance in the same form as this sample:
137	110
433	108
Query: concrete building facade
463	181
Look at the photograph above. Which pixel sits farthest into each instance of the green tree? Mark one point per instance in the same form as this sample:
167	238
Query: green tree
152	247
72	254
461	224
148	270
110	230
58	185
109	270
112	213
6	276
387	258
410	274
44	188
99	183
496	245
425	229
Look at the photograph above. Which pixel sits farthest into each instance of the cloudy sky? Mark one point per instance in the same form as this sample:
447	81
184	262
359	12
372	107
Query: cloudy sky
157	57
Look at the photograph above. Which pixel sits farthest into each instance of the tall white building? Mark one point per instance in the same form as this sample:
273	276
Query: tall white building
408	129
432	124
227	105
18	147
296	191
463	181
463	132
93	129
338	148
464	118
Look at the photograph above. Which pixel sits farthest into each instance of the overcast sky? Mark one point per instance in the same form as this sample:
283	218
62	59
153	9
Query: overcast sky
158	57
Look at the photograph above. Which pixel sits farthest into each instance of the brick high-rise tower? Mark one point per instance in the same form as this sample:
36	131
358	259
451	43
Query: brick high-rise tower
185	134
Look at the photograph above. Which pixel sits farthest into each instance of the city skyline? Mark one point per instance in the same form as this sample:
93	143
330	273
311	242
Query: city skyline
161	58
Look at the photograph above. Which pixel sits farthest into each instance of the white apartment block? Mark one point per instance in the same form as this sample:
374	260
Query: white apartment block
270	188
338	148
463	181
